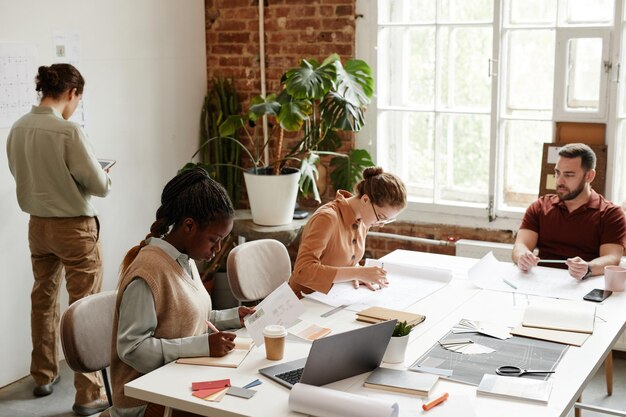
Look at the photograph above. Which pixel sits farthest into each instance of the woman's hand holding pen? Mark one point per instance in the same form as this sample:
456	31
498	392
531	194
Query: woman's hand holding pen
221	343
373	277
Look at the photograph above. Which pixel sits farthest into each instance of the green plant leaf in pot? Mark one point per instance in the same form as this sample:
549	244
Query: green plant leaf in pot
311	80
349	169
402	329
309	176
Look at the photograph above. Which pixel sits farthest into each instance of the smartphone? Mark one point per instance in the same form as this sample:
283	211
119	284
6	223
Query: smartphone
300	214
597	295
106	163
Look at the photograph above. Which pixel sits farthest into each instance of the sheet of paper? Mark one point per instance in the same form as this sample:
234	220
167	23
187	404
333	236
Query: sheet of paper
18	67
308	331
280	307
491	274
403	279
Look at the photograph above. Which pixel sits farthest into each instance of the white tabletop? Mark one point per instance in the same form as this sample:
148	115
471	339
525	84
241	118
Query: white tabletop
170	385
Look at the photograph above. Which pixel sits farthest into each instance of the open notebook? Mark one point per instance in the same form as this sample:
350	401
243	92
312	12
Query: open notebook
232	359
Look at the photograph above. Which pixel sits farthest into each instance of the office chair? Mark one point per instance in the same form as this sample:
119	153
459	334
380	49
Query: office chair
86	329
257	268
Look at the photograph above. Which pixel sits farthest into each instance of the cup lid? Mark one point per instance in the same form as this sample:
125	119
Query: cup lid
274	330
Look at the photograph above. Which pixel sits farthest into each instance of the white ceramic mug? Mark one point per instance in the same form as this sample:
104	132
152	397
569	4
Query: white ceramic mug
614	277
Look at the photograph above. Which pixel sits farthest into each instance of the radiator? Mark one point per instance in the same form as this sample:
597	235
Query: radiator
478	249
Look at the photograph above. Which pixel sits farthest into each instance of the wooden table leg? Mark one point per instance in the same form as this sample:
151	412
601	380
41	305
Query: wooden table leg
608	372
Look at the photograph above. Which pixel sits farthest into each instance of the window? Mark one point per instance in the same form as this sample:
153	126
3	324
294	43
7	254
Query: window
469	90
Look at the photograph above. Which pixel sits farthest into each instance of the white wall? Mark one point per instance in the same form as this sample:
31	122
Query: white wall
144	63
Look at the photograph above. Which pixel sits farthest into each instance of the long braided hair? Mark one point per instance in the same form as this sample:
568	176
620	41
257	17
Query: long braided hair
190	194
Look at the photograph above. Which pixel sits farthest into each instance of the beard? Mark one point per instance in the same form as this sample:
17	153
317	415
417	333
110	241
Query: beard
566	194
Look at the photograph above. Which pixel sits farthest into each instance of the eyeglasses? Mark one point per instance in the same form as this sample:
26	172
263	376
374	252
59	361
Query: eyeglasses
379	221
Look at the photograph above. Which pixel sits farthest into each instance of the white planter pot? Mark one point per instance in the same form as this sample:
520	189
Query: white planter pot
396	349
272	197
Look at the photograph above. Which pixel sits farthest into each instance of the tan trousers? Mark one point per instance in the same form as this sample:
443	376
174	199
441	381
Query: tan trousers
56	244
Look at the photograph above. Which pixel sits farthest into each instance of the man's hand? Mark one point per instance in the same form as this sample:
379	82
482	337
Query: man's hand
527	261
373	277
221	343
577	267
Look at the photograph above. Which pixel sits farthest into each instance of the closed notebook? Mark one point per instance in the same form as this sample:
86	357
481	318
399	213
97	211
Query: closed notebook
378	314
232	359
566	315
515	387
558	336
401	381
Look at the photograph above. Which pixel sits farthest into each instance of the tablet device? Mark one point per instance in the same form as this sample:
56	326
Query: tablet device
106	163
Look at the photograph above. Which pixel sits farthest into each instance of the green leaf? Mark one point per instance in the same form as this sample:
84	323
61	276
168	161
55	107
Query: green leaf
349	169
231	125
355	82
309	176
330	143
293	114
310	80
340	114
260	106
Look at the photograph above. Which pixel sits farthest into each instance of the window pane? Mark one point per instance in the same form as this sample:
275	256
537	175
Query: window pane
464	54
620	169
465	11
531	12
409	150
622	79
523	148
463	157
408	69
405	11
588	11
530	82
584	63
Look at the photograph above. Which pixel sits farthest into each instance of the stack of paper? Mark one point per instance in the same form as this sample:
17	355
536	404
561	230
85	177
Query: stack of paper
560	321
232	359
210	390
489	329
401	381
515	387
379	314
308	331
465	346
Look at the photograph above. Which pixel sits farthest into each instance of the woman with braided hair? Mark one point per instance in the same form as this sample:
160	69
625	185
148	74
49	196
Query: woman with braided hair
162	307
333	241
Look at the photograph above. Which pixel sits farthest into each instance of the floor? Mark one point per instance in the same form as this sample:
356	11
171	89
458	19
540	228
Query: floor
16	400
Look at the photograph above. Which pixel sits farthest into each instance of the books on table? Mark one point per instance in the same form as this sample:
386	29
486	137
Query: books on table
232	359
565	315
378	314
401	381
515	387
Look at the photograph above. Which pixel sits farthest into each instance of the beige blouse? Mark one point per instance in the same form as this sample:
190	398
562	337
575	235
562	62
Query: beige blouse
332	239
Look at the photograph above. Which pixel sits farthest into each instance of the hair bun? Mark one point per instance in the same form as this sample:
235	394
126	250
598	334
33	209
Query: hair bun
49	76
370	172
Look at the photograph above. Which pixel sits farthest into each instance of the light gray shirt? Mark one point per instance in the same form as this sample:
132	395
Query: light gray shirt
54	166
136	344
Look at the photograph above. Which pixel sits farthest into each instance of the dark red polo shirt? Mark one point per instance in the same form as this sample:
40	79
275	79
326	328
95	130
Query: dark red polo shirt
565	235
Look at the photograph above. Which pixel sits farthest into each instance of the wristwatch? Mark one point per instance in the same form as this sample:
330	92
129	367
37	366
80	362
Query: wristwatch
588	274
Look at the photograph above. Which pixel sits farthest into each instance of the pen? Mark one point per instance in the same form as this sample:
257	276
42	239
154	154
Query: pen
435	402
552	261
212	326
509	284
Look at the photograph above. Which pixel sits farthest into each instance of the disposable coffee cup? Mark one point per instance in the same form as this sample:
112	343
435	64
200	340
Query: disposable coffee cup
614	277
274	341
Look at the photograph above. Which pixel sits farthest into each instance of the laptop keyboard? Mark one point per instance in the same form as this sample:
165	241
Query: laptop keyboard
292	377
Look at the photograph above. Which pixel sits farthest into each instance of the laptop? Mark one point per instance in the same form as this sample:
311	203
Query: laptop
336	357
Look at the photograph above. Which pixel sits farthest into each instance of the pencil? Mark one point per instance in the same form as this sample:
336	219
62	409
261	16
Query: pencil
552	261
435	402
510	284
212	326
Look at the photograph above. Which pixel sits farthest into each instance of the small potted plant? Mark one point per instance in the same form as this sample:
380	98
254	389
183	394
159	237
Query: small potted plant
398	343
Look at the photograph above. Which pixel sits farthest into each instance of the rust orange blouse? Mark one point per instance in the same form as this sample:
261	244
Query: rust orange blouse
332	239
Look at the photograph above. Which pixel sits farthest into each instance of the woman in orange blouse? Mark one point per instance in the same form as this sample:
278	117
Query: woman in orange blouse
333	241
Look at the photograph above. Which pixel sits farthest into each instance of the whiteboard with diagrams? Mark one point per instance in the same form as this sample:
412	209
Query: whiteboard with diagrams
18	67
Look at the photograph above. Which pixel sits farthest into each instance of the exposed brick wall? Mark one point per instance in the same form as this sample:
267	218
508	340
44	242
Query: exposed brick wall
294	29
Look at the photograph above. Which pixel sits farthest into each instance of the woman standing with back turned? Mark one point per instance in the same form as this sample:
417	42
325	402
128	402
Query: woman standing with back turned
333	241
56	174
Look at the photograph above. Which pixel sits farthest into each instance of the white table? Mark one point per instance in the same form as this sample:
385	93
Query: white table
171	384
